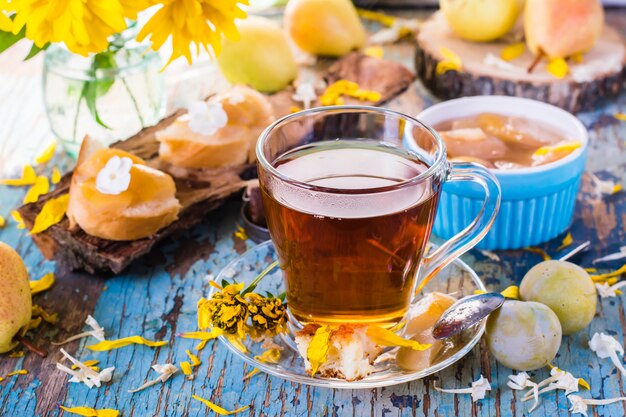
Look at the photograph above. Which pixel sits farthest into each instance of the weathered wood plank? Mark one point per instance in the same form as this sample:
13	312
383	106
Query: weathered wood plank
157	300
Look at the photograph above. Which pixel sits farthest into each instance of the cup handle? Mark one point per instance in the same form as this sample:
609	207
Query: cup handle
472	234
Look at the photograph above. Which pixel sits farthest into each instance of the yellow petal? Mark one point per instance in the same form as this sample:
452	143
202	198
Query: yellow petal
269	356
18	219
186	367
562	147
39	188
578	58
56	176
511	292
539	251
3	222
236	342
28	178
620	116
386	337
383	19
217	409
567	240
115	344
46	154
374	51
450	55
584	383
294	109
42	284
317	351
19	372
447	65
241	233
34	323
195	361
215	332
510	52
558	67
616	273
91	412
52	212
48	317
250	374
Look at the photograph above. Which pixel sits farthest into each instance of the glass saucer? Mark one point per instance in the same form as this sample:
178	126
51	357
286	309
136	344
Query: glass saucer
457	279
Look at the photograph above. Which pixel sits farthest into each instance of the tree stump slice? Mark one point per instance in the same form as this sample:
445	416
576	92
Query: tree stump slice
601	74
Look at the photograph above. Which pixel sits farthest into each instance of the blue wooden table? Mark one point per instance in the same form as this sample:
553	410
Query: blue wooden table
156	298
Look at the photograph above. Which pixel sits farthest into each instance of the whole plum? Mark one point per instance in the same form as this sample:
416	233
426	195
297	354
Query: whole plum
564	287
523	335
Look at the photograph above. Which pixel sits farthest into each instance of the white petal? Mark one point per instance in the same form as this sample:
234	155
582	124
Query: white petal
197	108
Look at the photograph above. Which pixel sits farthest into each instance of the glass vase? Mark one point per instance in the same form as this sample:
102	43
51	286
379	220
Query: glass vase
108	96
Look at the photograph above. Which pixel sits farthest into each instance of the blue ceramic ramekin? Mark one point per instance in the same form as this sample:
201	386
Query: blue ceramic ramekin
537	202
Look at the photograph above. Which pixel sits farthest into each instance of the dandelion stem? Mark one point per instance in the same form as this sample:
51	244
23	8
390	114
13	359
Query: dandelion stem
258	279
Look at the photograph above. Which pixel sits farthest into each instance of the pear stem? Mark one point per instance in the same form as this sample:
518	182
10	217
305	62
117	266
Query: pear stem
28	345
538	58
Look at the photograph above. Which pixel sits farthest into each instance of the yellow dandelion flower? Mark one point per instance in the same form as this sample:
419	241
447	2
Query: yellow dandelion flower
201	22
83	25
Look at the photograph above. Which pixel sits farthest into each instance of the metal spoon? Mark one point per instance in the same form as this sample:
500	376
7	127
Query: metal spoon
471	309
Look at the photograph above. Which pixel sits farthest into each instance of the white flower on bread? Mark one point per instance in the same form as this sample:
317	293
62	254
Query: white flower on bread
579	404
235	97
114	178
206	118
84	373
165	371
305	93
606	346
96	331
478	389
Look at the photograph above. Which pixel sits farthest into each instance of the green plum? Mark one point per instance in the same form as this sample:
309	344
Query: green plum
523	335
564	287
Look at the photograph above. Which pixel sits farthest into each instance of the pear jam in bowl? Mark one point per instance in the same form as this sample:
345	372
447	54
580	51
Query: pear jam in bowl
499	141
536	150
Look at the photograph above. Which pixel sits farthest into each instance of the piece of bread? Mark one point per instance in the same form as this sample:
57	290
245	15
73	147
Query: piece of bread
148	205
351	352
248	112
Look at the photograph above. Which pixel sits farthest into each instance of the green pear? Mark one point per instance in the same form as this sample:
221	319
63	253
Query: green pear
324	27
15	297
261	58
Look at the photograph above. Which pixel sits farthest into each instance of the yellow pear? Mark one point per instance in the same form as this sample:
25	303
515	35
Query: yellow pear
324	27
15	298
261	58
481	20
561	28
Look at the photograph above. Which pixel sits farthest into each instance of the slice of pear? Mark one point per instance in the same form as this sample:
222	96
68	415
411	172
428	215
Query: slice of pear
15	298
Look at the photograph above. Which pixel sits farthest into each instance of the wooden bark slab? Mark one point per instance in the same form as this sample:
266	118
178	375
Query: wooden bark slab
199	192
389	78
600	75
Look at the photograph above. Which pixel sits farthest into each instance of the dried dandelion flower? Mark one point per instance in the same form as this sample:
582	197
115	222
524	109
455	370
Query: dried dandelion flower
226	310
268	314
